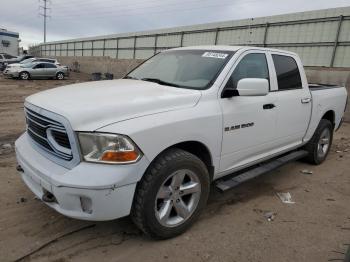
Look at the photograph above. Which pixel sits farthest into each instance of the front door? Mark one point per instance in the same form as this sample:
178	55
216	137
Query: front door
249	121
38	71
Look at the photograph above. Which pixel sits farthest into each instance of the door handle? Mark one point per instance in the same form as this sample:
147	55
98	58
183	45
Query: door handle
268	106
306	100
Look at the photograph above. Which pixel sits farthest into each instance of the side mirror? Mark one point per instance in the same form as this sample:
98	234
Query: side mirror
253	87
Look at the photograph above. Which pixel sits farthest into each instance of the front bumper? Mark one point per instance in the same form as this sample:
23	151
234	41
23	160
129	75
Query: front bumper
88	191
10	73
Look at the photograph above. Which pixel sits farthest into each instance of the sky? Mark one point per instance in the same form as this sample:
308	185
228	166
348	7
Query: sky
83	18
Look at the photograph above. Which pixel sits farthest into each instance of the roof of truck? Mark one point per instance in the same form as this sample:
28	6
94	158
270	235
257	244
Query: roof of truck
229	48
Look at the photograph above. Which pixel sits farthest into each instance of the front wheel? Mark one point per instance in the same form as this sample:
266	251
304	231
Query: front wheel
59	76
171	194
319	145
24	75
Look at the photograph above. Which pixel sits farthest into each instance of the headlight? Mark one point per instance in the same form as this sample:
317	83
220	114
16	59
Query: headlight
108	148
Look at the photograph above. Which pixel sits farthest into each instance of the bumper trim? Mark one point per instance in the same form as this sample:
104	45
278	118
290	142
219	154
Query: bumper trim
89	191
106	204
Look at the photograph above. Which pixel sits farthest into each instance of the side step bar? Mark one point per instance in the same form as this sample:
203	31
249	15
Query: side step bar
228	183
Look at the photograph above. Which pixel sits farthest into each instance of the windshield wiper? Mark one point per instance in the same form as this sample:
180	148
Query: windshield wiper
159	81
130	77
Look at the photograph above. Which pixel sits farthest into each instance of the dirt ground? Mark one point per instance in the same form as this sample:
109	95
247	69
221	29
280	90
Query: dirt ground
232	227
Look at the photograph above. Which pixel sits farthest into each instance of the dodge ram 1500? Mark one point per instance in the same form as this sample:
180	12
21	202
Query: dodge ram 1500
149	145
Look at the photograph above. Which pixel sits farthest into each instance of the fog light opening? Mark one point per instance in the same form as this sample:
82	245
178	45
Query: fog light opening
48	197
86	205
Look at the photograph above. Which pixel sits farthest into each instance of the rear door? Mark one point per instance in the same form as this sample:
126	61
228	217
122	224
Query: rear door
50	70
294	100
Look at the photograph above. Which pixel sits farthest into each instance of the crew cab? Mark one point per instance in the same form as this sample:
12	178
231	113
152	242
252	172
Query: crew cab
149	145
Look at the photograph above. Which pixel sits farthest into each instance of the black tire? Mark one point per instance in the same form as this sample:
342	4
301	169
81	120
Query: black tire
59	76
24	75
144	209
314	156
347	255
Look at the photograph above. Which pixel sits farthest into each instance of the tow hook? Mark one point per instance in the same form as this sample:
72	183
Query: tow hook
19	169
48	197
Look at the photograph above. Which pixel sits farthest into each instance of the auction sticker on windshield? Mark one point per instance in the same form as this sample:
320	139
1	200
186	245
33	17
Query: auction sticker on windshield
215	55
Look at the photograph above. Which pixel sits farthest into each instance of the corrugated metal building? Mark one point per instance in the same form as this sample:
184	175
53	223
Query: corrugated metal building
321	38
9	42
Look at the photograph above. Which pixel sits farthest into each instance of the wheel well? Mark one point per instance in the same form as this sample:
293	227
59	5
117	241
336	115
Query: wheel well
330	115
199	150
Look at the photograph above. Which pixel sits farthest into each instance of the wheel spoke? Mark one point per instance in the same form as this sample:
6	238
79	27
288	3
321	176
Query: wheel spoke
164	192
324	141
181	209
165	210
320	150
189	188
177	180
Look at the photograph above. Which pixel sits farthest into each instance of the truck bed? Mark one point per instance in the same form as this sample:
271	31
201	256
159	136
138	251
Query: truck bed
332	98
316	87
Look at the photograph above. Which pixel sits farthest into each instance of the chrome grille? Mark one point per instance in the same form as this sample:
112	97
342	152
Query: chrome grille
48	134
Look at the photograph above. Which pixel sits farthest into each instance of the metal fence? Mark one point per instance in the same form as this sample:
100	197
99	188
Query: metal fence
320	41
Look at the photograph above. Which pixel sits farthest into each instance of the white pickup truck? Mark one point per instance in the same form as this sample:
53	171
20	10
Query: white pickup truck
150	145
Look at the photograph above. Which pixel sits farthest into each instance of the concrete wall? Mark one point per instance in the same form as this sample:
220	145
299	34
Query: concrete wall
320	37
89	64
119	67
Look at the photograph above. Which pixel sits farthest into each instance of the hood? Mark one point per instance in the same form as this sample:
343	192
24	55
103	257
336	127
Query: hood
14	65
91	105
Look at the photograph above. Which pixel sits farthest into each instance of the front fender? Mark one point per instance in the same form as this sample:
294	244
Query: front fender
155	133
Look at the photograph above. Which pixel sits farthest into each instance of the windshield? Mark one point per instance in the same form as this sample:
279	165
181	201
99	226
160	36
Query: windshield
195	69
27	65
25	61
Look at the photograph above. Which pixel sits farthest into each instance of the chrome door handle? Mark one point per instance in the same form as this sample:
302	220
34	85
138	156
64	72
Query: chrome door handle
305	100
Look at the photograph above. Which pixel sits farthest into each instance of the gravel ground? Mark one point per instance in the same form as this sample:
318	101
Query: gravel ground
233	227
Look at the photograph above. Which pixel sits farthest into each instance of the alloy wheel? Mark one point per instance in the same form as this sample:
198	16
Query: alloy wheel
177	198
323	143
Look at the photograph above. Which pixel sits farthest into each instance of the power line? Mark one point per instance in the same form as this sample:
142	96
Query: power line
44	14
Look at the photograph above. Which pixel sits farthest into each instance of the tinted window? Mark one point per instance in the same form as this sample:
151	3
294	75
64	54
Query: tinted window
39	66
251	66
288	75
50	66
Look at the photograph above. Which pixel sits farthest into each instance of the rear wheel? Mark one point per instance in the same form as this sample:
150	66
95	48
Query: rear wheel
24	75
171	194
320	143
59	76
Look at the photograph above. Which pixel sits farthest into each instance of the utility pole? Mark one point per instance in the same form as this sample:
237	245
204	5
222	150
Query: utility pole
44	14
